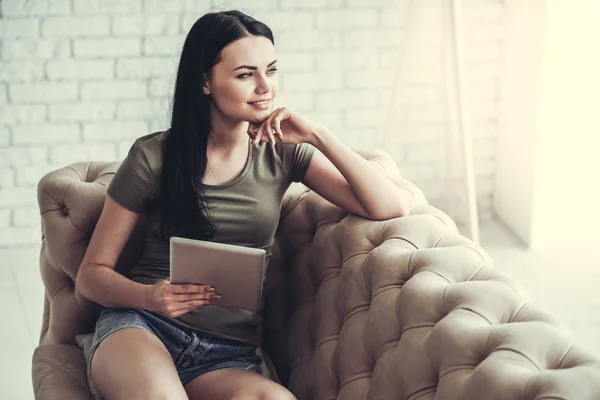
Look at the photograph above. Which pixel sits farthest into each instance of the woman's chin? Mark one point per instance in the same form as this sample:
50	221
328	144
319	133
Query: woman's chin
259	117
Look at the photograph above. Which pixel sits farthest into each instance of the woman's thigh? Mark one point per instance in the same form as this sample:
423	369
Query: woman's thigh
233	383
132	363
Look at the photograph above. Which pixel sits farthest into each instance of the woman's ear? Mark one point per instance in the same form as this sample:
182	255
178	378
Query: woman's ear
205	84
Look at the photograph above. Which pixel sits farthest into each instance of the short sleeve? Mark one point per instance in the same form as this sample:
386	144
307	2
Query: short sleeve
133	184
296	159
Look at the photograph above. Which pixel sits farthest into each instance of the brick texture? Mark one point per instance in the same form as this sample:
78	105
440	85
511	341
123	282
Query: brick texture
80	80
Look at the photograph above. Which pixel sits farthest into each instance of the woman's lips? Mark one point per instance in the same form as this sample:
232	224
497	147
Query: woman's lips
262	105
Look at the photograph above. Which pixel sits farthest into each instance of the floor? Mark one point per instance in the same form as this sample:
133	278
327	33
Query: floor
564	282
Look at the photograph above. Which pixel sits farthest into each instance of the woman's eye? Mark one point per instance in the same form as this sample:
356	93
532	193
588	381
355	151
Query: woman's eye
247	75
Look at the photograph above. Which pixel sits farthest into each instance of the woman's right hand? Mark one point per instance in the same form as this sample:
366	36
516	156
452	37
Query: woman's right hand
177	299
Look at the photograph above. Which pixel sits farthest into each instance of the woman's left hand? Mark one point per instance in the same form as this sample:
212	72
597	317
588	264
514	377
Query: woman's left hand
283	126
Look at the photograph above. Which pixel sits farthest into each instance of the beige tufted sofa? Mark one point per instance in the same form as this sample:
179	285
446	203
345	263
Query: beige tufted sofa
356	309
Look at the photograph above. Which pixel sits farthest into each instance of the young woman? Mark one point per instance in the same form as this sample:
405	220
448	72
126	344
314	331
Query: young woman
218	173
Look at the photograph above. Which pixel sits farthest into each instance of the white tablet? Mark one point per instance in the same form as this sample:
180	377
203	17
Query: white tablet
236	272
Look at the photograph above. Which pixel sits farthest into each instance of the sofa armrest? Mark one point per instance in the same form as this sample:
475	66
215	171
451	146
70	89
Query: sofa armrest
408	307
59	372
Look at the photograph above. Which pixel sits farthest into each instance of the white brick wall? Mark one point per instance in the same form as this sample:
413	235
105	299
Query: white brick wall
81	79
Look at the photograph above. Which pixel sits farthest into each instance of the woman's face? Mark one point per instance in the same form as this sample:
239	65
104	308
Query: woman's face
245	74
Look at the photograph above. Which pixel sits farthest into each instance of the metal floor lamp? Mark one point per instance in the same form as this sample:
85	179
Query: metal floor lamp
453	84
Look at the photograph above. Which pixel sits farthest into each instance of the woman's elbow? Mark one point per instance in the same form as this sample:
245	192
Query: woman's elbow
80	281
395	212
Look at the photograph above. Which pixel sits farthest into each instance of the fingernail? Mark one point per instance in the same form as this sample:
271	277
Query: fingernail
209	290
215	296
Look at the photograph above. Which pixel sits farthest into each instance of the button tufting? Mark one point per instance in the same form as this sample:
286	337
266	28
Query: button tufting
65	211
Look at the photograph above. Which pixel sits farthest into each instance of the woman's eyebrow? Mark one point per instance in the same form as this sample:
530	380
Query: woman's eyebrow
253	67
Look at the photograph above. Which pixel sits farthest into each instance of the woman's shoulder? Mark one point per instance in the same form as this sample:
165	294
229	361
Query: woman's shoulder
151	146
152	142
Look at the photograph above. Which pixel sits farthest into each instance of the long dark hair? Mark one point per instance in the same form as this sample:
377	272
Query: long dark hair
183	209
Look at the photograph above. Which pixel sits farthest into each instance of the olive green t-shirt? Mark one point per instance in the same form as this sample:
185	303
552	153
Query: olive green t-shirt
245	212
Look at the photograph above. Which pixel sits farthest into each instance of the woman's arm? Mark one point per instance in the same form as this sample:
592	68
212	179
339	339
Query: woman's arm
346	179
97	279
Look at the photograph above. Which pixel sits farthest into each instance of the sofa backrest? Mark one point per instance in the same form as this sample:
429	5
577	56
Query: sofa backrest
70	201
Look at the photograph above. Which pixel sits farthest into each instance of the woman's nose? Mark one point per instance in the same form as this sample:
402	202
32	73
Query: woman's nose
262	85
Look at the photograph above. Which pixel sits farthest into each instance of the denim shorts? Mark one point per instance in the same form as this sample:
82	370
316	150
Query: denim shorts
193	354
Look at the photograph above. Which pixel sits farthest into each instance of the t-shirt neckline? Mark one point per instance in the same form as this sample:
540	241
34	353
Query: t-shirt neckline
240	176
